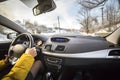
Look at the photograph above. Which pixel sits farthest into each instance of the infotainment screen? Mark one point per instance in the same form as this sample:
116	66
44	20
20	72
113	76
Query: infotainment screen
59	39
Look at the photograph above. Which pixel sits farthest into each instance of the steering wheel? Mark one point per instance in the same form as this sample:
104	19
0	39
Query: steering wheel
17	49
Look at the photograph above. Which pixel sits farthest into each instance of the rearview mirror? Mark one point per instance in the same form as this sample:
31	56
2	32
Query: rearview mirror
43	7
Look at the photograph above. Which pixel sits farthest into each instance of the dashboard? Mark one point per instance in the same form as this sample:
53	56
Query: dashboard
83	52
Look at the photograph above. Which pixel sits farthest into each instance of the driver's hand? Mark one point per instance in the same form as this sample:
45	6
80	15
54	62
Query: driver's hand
7	62
31	51
6	59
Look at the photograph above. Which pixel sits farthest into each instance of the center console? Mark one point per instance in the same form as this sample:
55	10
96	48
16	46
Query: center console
54	67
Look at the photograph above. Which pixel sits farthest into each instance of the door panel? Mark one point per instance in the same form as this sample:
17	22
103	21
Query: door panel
4	46
5	40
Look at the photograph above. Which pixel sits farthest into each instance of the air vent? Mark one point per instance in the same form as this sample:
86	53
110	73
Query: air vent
48	47
60	48
114	53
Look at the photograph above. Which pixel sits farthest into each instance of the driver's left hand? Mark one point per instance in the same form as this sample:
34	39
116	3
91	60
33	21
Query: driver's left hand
7	59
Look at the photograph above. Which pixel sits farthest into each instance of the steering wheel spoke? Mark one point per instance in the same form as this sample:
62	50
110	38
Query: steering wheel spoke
26	43
13	60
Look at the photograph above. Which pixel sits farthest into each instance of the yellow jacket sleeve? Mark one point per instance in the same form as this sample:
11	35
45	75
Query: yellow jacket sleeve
2	64
21	68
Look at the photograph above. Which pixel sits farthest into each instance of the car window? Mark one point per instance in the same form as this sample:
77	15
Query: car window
4	32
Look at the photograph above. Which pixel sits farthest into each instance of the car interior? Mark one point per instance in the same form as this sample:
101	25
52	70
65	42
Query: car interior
64	56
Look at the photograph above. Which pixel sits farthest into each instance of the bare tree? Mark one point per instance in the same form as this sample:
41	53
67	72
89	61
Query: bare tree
112	15
29	25
84	18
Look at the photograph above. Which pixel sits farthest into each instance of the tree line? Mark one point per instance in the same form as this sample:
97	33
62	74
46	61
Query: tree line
110	14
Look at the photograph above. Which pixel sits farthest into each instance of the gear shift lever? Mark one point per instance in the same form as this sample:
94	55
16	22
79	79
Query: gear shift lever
49	76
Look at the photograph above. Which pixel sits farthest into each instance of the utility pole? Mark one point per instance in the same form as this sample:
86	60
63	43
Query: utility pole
58	23
102	16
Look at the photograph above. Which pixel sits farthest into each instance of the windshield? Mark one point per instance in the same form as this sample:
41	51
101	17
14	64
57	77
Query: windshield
81	17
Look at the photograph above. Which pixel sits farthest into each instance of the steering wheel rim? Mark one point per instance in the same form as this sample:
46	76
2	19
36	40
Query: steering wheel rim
13	44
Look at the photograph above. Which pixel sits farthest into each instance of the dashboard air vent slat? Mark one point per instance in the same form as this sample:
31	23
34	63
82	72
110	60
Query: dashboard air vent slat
114	53
60	48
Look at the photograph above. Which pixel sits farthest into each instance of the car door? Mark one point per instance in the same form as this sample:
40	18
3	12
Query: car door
4	41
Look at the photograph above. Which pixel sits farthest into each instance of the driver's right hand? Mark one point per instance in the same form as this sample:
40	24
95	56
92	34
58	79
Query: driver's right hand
31	51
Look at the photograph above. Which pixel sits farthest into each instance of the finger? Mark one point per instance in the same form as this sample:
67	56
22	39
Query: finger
6	56
34	48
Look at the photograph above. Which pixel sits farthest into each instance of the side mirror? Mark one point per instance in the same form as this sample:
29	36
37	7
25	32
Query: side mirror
43	7
12	35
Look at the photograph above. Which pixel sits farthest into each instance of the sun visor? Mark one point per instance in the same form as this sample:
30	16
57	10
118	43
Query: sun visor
30	3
